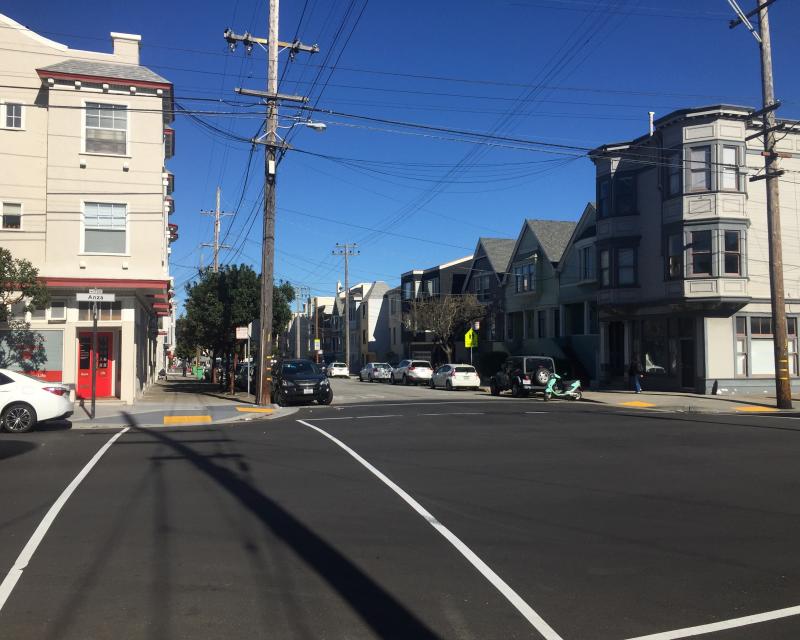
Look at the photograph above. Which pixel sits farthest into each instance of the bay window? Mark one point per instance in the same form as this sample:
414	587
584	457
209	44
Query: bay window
701	253
626	267
733	253
675	256
699	169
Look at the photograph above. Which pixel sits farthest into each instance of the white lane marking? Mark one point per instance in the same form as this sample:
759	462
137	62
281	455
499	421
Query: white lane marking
455	413
342	418
536	412
345	405
388	415
10	581
723	625
523	607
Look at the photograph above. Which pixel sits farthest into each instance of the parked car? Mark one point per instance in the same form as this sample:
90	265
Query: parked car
375	372
242	374
455	376
337	369
296	380
522	375
25	401
412	372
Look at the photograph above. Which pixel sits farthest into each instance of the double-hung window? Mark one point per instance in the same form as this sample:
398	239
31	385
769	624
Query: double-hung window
604	198
524	277
13	115
730	168
106	128
587	263
625	195
105	227
672	173
626	266
605	268
699	174
733	253
701	253
675	256
12	216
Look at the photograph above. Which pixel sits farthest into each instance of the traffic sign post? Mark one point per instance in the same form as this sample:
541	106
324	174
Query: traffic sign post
470	341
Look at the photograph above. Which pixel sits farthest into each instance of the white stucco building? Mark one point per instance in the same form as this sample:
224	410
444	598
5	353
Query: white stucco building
85	197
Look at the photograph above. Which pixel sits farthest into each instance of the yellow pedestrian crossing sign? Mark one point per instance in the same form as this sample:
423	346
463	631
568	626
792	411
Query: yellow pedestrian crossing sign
470	339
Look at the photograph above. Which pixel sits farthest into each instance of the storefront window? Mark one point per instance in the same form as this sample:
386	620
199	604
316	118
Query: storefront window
654	346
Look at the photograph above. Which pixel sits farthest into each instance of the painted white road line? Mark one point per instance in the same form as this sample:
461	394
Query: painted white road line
342	418
536	412
10	581
512	596
723	625
388	415
455	413
345	405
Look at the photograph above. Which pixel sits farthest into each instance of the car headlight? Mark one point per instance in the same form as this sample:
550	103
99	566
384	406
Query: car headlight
324	382
288	383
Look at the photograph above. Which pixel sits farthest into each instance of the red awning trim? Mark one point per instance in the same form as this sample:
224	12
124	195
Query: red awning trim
161	305
101	283
59	75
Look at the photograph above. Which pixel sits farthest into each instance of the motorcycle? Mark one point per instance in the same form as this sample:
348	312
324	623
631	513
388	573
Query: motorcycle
560	388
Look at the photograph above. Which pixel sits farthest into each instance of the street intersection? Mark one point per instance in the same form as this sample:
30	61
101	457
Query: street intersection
420	515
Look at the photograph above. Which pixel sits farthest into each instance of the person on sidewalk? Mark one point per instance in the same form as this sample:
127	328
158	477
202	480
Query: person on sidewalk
635	371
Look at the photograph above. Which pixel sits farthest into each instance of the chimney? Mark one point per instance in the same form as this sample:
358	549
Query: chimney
338	286
126	47
652	126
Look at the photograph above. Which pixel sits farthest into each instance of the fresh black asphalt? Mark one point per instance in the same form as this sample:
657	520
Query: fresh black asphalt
610	524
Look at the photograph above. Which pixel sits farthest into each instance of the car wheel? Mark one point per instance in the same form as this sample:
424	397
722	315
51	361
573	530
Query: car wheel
493	388
405	379
281	400
449	385
327	398
516	390
430	384
541	376
18	418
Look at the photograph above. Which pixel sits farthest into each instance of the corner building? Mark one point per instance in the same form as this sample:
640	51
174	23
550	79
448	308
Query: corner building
86	197
682	253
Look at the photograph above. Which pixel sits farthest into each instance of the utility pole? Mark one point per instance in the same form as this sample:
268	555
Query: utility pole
300	293
346	250
772	171
216	246
272	97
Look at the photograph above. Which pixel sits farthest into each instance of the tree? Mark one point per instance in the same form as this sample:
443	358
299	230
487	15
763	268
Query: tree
445	317
19	284
282	297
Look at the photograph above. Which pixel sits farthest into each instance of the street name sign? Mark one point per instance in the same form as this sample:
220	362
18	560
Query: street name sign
96	297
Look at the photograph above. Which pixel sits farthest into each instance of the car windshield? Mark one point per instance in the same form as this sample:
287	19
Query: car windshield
465	369
381	365
293	368
337	364
421	363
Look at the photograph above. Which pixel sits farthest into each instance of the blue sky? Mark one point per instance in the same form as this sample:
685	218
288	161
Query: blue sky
569	72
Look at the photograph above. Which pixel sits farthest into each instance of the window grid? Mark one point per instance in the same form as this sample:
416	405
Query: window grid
106	128
12	215
13	115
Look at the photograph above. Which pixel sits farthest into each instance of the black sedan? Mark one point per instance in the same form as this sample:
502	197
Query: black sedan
300	380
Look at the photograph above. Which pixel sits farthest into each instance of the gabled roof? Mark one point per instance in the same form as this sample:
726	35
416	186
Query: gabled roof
585	228
553	236
496	250
103	70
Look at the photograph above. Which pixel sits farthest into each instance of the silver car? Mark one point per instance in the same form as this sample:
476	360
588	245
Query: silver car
412	372
375	372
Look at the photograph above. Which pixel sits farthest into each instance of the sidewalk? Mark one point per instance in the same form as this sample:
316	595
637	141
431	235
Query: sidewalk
688	402
176	401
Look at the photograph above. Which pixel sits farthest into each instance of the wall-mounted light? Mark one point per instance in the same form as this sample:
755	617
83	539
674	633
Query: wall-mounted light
105	87
77	84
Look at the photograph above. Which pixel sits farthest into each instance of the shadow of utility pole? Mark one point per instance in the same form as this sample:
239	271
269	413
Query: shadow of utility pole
387	617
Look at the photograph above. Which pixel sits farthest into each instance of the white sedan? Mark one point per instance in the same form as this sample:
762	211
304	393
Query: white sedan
24	401
336	369
455	376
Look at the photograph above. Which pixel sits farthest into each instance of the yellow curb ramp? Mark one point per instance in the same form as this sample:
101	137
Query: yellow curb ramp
254	409
187	419
756	409
638	404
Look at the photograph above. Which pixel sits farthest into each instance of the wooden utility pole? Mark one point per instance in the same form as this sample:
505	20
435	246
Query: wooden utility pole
346	250
772	171
783	389
216	246
272	97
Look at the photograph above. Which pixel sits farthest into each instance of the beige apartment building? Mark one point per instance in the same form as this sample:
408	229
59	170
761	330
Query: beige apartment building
85	197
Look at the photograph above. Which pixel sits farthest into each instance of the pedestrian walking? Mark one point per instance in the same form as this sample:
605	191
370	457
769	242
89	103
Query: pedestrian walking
635	371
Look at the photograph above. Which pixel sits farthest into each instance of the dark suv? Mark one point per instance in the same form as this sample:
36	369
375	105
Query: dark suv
297	380
521	375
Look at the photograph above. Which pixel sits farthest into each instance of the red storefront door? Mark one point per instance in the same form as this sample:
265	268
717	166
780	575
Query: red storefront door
104	358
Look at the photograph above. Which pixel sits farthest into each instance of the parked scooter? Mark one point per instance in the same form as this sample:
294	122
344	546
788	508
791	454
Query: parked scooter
559	388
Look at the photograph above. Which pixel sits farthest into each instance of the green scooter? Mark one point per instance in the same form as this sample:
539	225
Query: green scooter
560	388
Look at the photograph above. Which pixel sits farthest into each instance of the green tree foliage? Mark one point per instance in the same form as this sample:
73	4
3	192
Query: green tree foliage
19	283
445	317
219	302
